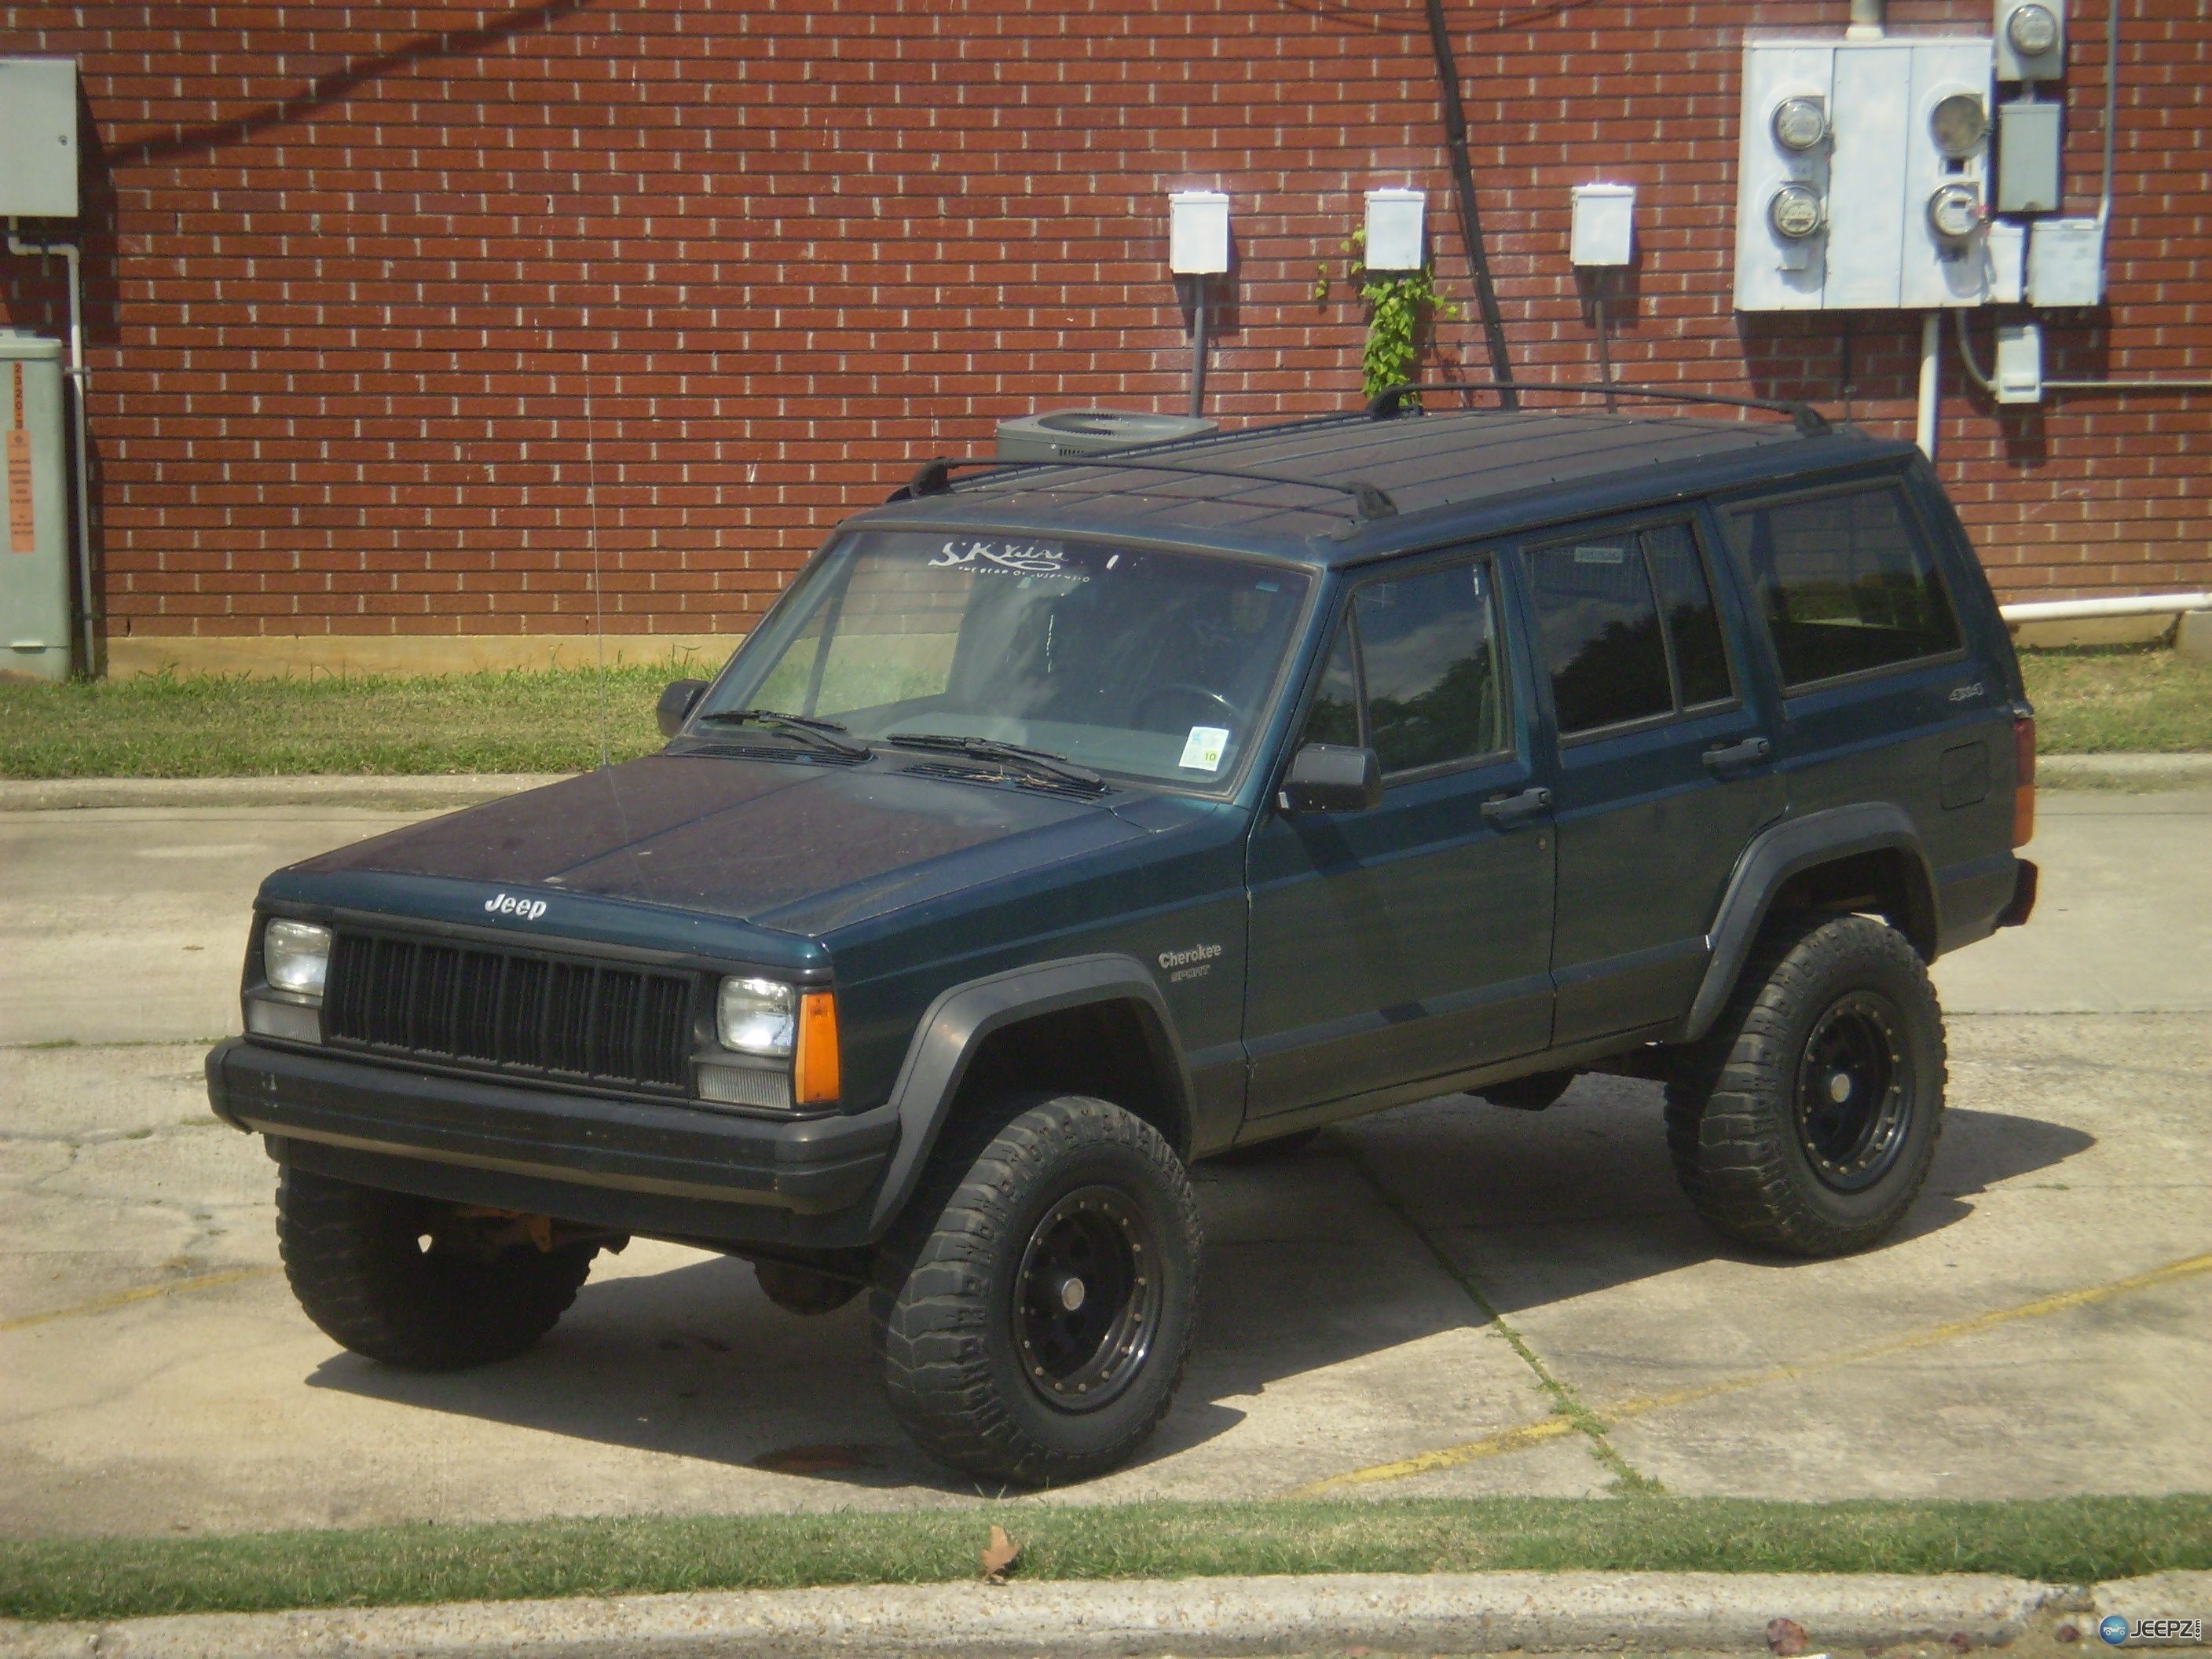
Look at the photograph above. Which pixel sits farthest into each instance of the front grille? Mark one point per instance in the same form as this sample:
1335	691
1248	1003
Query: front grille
503	1011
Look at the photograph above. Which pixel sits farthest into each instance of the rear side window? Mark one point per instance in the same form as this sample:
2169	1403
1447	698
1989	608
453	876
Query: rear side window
1627	626
1845	581
1414	672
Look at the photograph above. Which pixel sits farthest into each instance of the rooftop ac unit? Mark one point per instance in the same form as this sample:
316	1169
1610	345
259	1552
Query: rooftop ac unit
1060	433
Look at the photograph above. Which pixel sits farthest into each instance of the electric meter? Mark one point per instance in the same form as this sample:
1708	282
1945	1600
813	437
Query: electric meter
2032	30
1960	125
1800	124
1793	211
1954	212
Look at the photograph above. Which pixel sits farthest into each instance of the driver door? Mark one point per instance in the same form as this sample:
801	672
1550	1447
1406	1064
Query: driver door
1413	941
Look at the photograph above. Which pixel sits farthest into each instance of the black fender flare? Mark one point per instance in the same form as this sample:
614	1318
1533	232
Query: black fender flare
961	1018
1781	851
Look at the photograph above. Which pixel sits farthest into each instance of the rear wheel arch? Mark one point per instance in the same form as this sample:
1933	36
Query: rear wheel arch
1866	858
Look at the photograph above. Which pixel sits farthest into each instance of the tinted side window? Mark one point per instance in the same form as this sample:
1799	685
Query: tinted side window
1701	668
1598	625
1428	653
1335	717
1845	582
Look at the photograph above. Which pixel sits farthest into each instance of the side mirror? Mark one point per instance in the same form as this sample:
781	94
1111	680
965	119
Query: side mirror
676	703
1333	777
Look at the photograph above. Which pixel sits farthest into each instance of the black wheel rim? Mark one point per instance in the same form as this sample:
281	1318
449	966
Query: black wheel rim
1087	1300
1855	1092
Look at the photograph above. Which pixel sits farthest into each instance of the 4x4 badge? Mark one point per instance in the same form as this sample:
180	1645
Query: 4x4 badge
506	904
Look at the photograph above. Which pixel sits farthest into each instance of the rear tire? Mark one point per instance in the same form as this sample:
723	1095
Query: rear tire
404	1280
1034	1304
1806	1119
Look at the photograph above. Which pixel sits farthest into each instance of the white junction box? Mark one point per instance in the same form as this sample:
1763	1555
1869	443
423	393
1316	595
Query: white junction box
38	137
1198	232
1604	225
1396	237
2065	262
2020	363
1862	175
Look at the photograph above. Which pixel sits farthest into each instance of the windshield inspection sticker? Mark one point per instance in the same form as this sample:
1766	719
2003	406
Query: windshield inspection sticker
1201	750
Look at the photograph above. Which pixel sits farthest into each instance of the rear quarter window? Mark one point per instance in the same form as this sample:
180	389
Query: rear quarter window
1846	582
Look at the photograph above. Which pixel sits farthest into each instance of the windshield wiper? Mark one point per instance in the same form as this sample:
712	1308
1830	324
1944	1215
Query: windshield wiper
820	734
1041	762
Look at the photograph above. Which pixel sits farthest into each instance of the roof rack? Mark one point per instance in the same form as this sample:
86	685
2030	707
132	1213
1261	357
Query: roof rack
935	478
1387	404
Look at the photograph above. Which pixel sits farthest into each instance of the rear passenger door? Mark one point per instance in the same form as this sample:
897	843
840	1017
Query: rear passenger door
1411	940
1881	699
1663	768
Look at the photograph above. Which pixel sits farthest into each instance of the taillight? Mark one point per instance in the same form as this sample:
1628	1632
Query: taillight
2023	791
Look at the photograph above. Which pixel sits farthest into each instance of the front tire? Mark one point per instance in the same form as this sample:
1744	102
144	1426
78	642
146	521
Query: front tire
1034	1306
405	1280
1806	1119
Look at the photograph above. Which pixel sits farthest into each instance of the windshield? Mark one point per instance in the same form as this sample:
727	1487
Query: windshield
1152	665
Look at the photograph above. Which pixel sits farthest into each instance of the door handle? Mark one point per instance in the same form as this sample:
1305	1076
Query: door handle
1727	758
1507	811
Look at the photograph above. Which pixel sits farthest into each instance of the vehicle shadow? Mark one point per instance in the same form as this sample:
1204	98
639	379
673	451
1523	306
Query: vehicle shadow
1366	1241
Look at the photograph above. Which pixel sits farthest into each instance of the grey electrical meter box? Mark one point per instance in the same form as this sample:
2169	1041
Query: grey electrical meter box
2029	140
34	578
38	137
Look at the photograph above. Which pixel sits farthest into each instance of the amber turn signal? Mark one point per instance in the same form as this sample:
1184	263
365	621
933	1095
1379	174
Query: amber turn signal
814	1076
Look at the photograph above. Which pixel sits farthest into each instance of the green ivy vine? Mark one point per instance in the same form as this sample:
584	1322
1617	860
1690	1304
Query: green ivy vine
1398	304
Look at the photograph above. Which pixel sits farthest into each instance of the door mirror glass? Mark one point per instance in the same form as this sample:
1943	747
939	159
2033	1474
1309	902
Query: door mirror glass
1331	777
676	703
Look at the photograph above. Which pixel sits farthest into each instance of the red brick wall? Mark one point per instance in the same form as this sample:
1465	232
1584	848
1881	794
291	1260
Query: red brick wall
366	282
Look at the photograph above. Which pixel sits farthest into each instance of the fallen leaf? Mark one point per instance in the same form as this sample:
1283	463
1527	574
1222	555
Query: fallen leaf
1000	1553
2067	1633
1785	1636
1960	1642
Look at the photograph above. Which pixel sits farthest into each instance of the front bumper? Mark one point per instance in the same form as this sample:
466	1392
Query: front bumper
646	1167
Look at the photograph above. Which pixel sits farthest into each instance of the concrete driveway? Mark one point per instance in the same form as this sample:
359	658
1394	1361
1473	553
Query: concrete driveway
1447	1298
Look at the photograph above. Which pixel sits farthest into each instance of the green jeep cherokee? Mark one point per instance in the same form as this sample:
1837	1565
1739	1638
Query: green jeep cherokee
1064	825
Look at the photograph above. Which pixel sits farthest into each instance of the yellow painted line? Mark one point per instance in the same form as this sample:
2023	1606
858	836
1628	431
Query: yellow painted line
143	1293
1513	1440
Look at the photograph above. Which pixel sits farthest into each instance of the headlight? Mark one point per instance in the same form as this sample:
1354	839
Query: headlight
295	956
757	1017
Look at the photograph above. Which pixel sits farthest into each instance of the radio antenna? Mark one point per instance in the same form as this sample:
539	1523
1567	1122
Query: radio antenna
598	595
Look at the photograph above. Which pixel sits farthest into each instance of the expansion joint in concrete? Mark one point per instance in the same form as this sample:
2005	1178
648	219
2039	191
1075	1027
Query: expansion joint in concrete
1566	1404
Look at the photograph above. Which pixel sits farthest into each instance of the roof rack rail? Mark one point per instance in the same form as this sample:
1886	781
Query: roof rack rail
934	477
1387	404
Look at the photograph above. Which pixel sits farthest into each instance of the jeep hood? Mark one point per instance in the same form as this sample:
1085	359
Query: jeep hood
786	844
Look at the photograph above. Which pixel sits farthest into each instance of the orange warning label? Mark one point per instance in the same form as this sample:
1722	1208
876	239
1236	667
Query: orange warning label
22	533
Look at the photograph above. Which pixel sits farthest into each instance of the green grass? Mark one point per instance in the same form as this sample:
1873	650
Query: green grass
160	726
2068	1540
2118	699
2106	701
